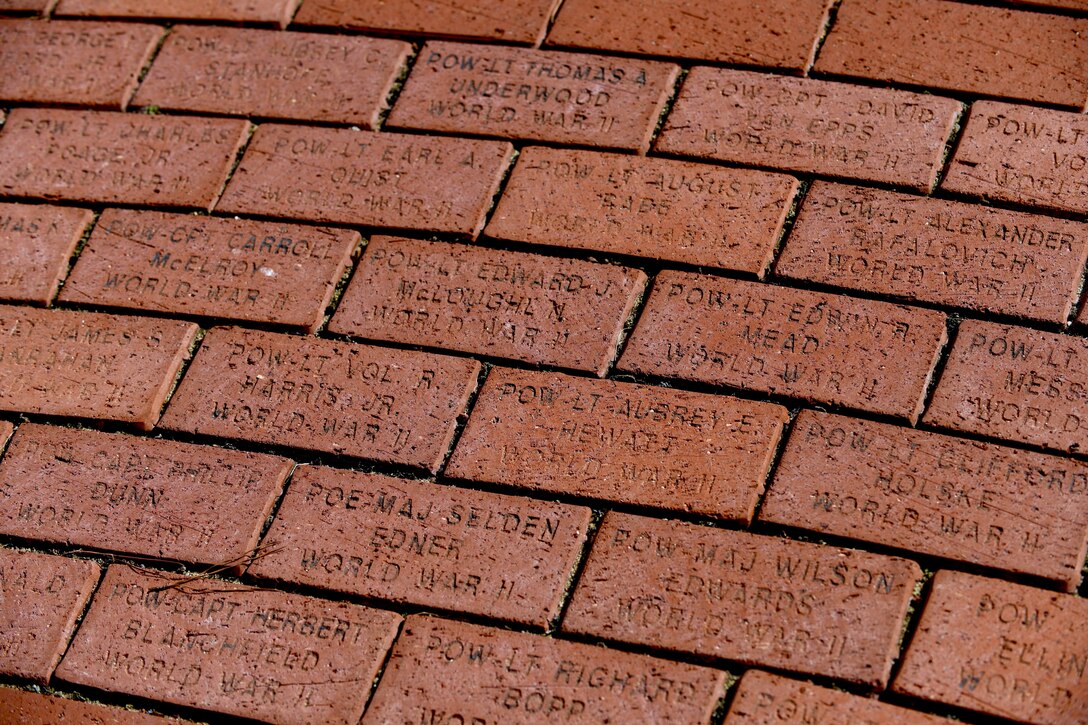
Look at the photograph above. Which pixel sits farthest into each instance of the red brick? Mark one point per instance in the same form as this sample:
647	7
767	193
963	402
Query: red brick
1070	4
430	183
999	648
766	699
814	346
117	158
6	429
758	600
1009	509
491	90
271	74
604	440
939	251
397	406
1022	154
36	242
32	708
230	649
418	543
89	365
1017	384
673	211
231	11
442	671
806	125
542	310
777	34
258	271
78	63
140	496
512	21
25	6
962	47
41	597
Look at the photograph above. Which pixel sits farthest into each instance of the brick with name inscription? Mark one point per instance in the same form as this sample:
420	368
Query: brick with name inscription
669	210
32	708
396	406
117	158
636	444
806	125
36	242
453	672
765	699
962	47
148	497
519	93
1005	508
939	251
758	600
70	62
230	649
1022	154
272	74
89	364
776	34
814	346
400	181
1017	384
278	12
41	597
541	310
419	543
258	271
1000	648
511	21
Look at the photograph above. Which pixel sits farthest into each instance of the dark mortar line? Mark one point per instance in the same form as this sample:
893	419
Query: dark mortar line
951	327
830	17
629	325
956	136
1026	8
122	701
666	108
167	31
505	175
342	284
574	576
82	615
382	666
772	468
788	223
397	86
273	512
84	238
461	421
251	129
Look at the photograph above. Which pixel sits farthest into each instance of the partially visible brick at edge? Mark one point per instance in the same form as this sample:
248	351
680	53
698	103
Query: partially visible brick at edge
231	11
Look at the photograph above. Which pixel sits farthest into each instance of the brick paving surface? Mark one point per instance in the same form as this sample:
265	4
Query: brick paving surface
543	361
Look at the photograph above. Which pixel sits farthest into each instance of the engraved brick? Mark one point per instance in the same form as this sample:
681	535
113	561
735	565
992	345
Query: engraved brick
419	543
939	251
999	648
231	11
41	596
230	649
397	406
271	74
89	365
1005	508
636	444
1022	154
512	21
807	125
36	242
441	669
758	600
542	310
765	699
140	496
669	210
1017	384
814	346
962	47
258	271
78	63
430	183
32	708
777	34
117	158
518	93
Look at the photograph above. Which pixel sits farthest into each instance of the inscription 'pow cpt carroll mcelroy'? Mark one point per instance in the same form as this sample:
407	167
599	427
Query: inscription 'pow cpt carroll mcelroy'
869	355
396	406
637	444
266	655
417	542
756	599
